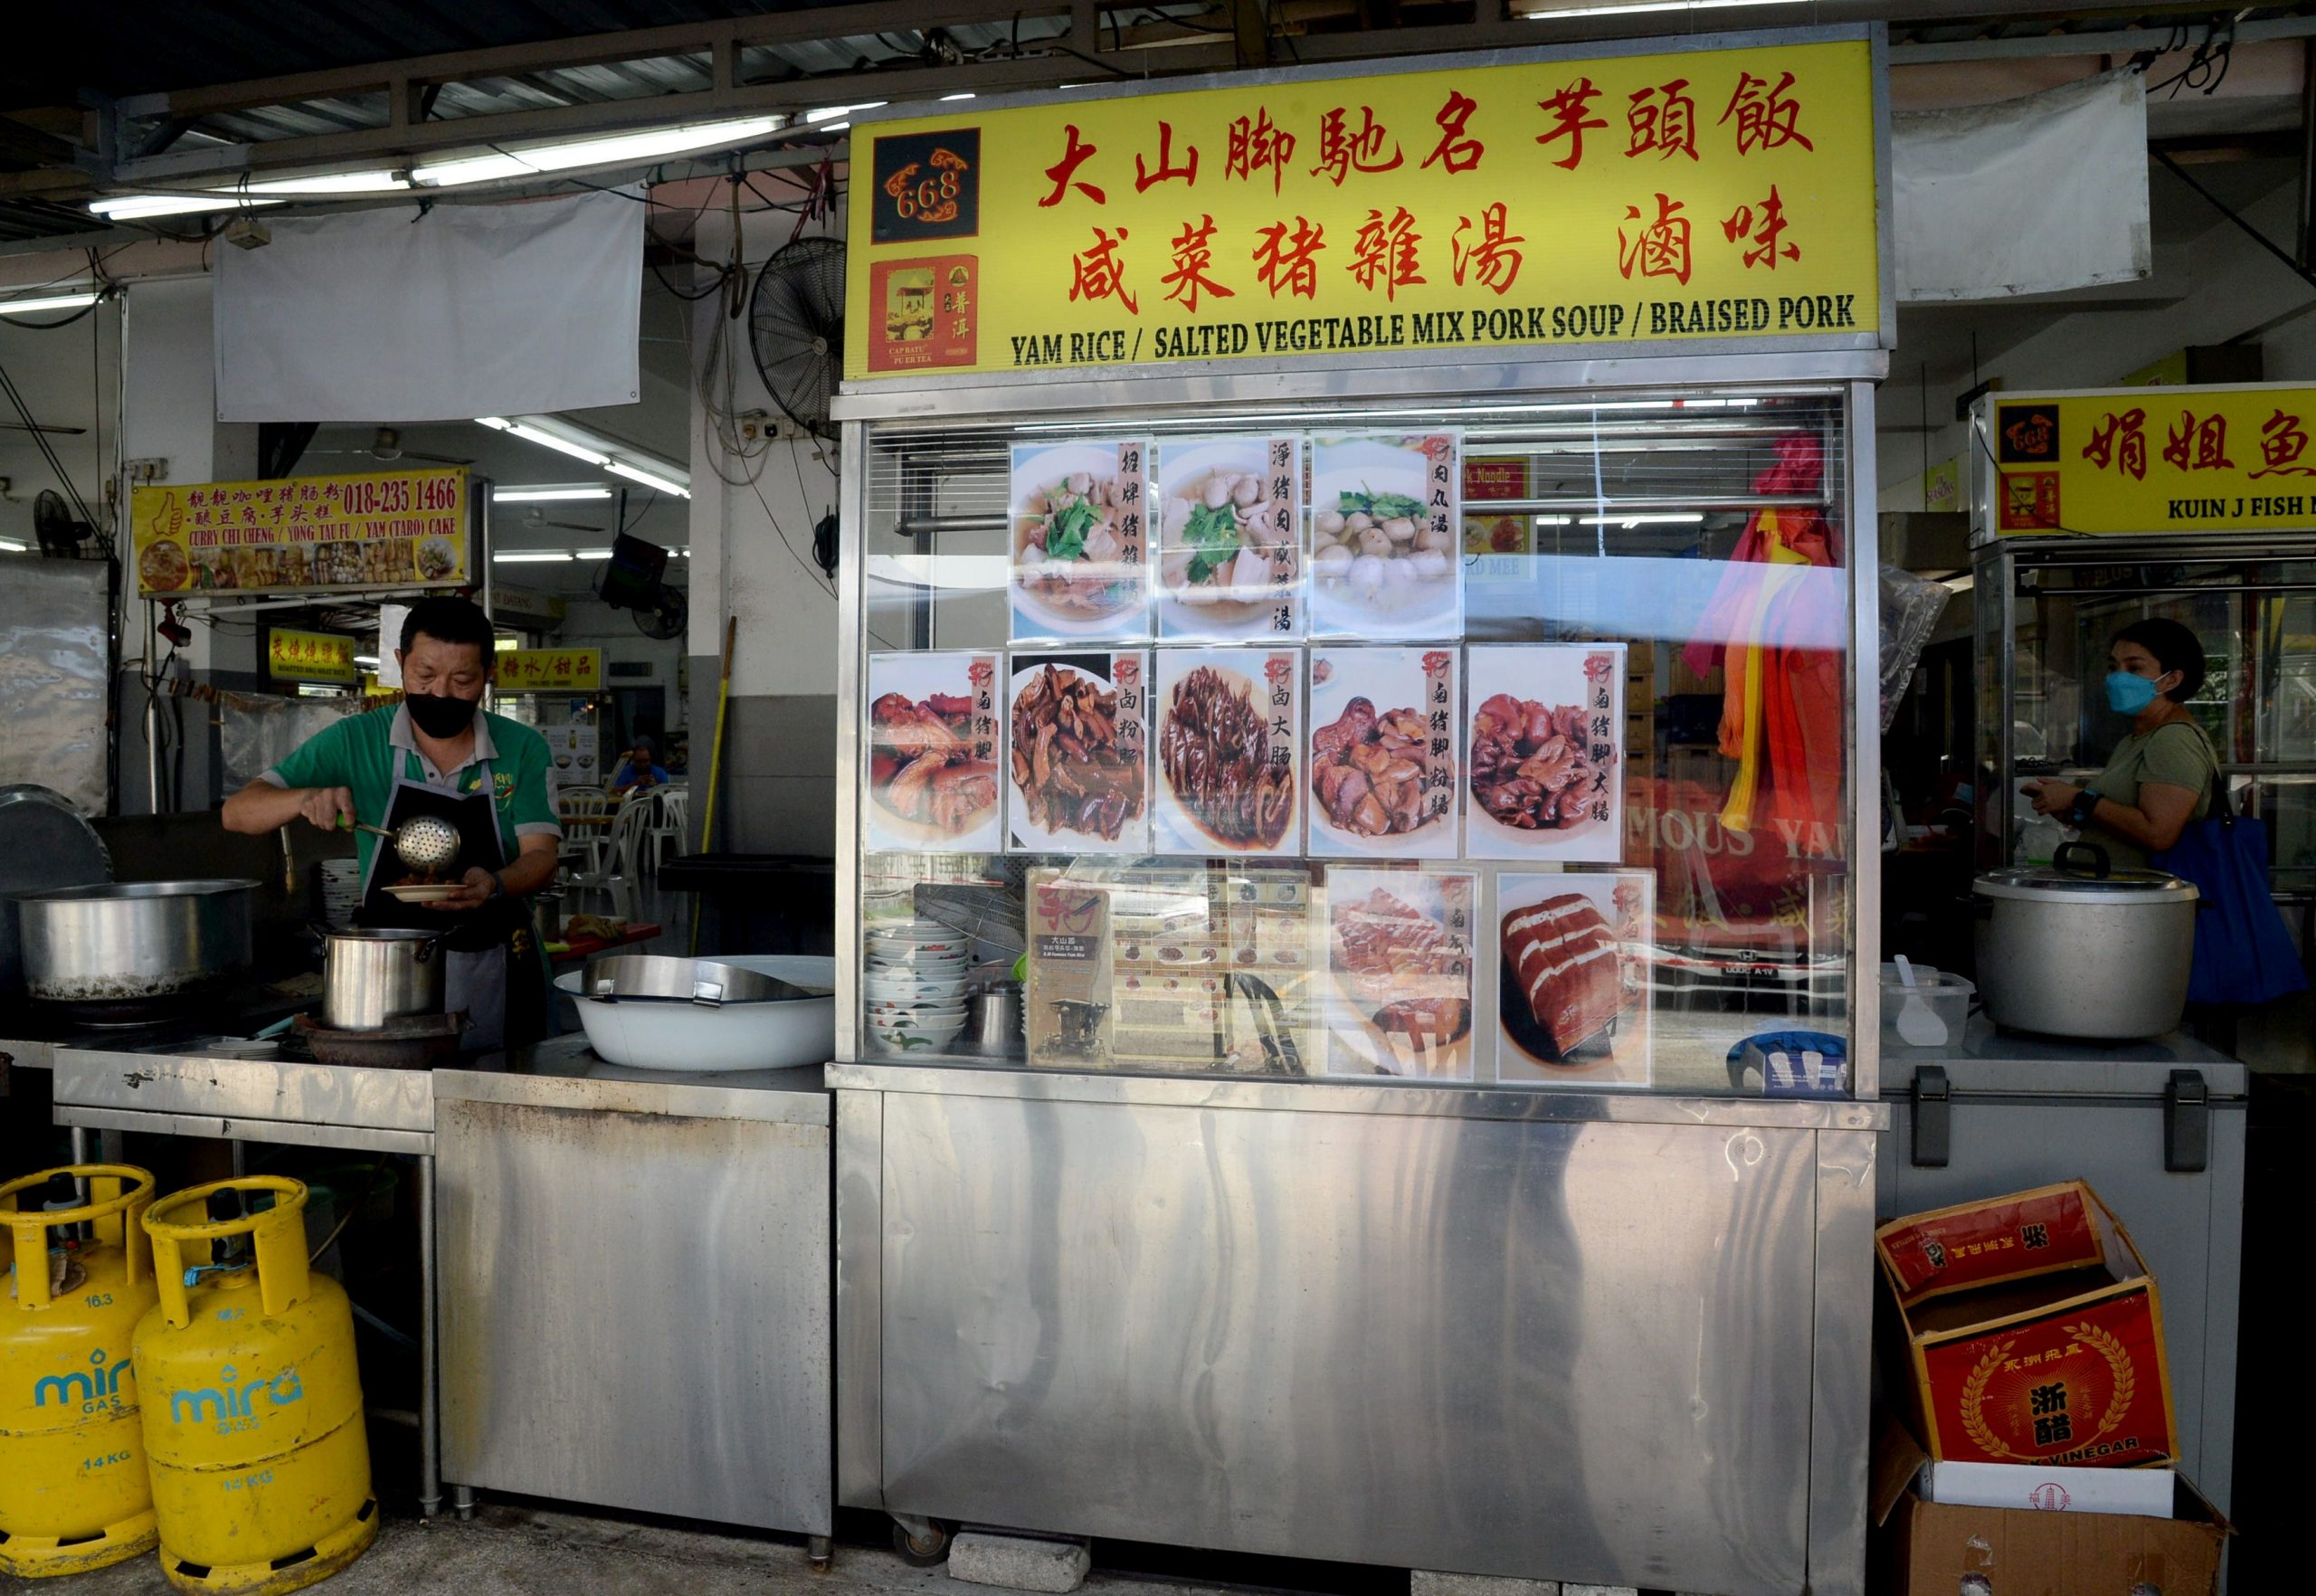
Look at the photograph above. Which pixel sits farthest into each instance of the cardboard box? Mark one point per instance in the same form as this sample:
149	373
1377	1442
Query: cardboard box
1936	1548
2033	1332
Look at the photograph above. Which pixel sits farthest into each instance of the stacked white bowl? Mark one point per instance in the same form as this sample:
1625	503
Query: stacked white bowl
341	891
912	985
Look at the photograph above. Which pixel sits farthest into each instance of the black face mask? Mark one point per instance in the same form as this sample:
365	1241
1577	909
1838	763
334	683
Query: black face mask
438	715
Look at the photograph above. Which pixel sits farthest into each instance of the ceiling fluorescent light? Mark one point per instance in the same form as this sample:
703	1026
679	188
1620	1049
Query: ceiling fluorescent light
530	557
834	126
618	468
47	302
563	445
968	94
335	183
12	545
1637	7
545	495
592	554
139	207
829	112
616	151
499	421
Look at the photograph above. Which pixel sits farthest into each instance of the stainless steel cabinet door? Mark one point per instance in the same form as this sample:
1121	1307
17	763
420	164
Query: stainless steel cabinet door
635	1311
1570	1350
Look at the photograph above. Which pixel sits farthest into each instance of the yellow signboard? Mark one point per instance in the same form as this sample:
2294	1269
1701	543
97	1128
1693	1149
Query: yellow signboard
1725	194
550	671
309	656
302	534
2153	460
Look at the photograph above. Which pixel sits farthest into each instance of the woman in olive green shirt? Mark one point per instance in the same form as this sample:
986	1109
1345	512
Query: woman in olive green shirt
2159	777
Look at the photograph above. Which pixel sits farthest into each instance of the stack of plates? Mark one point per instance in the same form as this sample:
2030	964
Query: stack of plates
341	891
914	986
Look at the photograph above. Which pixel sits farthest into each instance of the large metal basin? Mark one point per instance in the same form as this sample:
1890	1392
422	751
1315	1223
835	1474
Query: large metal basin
112	949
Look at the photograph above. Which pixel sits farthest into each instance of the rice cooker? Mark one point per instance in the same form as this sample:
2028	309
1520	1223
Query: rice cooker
2078	949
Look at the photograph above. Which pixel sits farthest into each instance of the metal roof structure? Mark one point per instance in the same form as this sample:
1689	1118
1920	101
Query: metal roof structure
152	97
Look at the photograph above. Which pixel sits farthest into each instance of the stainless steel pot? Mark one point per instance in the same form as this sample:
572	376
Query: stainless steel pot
370	977
2079	950
124	945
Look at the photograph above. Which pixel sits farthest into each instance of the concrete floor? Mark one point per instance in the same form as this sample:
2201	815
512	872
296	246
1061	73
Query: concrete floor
530	1551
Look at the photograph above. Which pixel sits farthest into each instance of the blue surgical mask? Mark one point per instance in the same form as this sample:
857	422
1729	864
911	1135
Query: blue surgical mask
2128	693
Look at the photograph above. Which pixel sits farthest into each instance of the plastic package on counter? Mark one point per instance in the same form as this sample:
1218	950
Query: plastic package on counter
1910	606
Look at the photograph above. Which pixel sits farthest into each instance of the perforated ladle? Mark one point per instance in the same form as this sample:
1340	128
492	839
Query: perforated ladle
423	842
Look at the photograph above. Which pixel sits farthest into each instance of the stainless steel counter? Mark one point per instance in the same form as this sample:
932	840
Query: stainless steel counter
1621	1340
636	1310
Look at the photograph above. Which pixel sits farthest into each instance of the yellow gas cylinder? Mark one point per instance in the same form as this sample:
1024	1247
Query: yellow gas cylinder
73	1494
252	1406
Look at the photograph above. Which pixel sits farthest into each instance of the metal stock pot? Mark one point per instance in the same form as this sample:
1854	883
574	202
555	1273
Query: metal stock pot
372	976
112	949
2082	950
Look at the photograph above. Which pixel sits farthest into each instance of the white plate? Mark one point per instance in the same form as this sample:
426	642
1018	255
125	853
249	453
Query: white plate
438	893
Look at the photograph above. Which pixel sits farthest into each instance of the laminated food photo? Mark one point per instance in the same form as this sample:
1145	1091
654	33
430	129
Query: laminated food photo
1383	752
933	751
1229	525
1573	978
1077	753
1078	541
1386	558
1399	970
1543	752
1229	726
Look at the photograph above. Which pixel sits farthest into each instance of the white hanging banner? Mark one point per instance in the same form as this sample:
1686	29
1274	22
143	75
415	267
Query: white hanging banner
466	310
2026	196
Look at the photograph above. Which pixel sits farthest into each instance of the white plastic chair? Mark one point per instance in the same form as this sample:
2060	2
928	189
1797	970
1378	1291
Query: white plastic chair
629	829
673	813
583	841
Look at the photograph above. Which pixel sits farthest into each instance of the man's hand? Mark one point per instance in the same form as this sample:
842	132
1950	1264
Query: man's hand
475	889
323	805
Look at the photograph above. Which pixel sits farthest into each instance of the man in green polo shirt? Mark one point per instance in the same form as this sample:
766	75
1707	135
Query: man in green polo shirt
439	754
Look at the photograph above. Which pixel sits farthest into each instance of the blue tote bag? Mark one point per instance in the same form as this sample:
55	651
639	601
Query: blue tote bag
2244	953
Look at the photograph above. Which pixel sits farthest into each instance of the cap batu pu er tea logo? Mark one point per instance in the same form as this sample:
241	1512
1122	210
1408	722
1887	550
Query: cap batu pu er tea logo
1547	199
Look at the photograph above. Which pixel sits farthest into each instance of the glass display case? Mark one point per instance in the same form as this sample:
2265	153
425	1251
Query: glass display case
1499	742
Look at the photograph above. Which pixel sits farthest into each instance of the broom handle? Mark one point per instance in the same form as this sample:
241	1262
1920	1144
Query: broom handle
715	760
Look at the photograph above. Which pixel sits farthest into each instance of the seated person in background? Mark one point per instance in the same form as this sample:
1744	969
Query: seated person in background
636	773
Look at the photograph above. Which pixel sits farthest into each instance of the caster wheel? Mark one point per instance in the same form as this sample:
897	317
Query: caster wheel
929	1551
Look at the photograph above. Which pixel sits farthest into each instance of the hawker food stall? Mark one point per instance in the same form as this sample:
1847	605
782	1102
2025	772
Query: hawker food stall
1357	1022
2096	516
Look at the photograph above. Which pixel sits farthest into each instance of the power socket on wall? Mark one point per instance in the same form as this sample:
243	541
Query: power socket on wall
758	426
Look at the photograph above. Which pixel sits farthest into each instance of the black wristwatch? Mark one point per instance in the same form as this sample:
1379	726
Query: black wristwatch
498	888
2086	804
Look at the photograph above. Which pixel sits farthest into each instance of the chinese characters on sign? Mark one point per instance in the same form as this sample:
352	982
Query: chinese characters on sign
396	529
309	656
2139	460
549	670
1669	195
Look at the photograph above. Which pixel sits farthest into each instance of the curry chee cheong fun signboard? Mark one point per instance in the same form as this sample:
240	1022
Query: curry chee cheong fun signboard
1715	192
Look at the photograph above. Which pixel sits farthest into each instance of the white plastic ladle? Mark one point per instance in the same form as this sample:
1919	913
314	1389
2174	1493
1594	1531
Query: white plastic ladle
1918	1025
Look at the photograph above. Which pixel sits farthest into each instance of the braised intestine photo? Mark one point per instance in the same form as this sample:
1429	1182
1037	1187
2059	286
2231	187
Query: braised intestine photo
1543	758
1230	725
1572	976
1230	524
1077	540
1399	963
933	730
1383	752
1077	756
